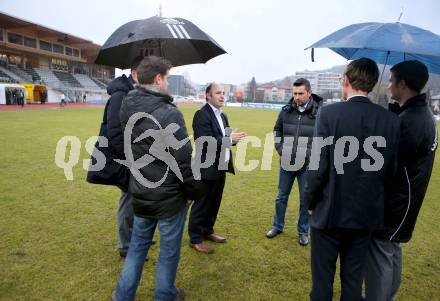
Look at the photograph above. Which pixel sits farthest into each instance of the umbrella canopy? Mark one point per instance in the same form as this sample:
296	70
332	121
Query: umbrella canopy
385	43
176	39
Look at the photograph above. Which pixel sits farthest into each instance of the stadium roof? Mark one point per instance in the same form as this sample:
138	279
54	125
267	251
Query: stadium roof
18	25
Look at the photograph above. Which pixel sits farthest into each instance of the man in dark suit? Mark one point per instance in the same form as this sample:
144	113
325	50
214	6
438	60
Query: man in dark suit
347	180
212	123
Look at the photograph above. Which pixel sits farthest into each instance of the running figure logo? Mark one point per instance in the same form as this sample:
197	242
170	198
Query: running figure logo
162	140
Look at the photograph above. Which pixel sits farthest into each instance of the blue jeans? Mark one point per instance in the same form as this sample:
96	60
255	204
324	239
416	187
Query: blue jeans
285	183
171	230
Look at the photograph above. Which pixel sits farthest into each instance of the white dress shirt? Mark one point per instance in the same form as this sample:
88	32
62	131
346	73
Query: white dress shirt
218	115
303	107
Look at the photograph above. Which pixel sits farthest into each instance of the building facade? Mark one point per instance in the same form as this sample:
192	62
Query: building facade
31	53
321	82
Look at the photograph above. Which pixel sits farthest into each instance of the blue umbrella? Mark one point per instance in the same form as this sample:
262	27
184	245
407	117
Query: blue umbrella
385	43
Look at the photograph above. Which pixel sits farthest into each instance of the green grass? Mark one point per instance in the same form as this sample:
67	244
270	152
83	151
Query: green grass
58	238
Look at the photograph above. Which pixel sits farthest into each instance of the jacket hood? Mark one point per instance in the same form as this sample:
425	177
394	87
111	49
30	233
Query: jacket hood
146	100
122	83
311	106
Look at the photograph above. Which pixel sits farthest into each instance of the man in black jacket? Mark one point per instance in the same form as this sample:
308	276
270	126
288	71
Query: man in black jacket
293	133
160	191
418	142
212	123
353	156
118	88
113	173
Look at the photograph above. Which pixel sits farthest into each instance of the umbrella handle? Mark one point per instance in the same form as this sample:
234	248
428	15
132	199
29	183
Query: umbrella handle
381	76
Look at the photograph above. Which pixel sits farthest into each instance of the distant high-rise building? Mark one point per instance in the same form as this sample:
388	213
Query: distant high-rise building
321	82
229	91
328	82
176	85
311	76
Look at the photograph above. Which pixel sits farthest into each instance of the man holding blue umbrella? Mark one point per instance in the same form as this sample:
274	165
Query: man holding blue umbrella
418	142
347	200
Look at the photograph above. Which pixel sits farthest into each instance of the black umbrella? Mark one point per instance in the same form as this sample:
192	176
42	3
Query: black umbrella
176	39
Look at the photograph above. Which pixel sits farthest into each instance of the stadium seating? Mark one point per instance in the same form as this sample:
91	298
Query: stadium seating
100	83
30	71
67	79
20	73
87	82
5	78
48	77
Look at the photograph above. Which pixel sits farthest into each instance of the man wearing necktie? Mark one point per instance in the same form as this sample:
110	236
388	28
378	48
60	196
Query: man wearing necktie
211	122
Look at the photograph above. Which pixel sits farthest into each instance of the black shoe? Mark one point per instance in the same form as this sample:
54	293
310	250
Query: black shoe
303	240
123	252
180	295
272	233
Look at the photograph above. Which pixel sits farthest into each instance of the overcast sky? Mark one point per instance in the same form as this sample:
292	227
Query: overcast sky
265	39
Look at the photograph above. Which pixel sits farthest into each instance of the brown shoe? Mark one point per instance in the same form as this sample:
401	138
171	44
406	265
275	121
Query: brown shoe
215	238
201	247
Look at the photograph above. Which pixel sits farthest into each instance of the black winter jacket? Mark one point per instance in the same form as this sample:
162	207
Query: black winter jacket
118	88
113	173
168	198
293	123
418	142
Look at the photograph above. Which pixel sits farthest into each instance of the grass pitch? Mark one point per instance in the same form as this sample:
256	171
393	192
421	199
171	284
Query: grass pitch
58	238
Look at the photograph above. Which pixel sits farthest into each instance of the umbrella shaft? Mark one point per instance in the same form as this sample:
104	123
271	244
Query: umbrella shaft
381	76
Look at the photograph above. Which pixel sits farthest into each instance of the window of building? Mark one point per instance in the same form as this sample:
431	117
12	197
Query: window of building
28	42
58	64
1	34
76	52
58	48
45	46
15	38
69	51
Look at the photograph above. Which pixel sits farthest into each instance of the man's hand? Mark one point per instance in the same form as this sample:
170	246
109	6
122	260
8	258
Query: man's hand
310	212
237	136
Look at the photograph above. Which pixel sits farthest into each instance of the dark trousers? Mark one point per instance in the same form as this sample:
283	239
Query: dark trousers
383	270
351	246
204	211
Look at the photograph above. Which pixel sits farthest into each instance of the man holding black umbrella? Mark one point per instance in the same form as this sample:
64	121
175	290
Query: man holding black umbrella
118	88
111	129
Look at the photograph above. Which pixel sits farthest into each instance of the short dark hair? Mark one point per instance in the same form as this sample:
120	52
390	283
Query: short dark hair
136	62
208	90
303	82
414	73
151	66
363	74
